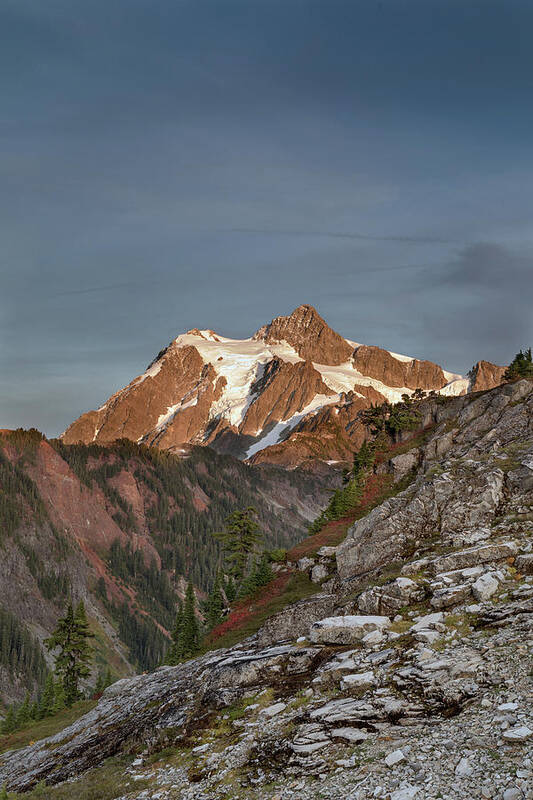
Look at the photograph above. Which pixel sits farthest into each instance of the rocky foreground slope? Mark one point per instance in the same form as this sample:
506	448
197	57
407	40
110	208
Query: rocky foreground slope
409	675
289	395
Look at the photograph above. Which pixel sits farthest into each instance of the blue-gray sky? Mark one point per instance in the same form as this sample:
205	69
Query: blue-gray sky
194	163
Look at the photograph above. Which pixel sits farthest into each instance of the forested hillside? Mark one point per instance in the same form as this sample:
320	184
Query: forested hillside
123	527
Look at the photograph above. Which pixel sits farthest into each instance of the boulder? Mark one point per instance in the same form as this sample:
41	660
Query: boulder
327	552
347	629
451	596
524	564
310	737
296	619
360	681
520	733
396	757
402	465
485	586
446	504
474	556
318	573
387	600
427	621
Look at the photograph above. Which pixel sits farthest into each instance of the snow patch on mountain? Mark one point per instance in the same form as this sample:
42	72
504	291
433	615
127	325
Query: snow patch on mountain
241	362
275	435
345	378
171	412
398	357
456	386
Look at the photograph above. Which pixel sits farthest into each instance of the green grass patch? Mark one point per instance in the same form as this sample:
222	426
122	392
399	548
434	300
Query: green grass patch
102	783
45	727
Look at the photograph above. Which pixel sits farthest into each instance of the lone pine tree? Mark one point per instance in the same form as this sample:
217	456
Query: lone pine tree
239	540
71	637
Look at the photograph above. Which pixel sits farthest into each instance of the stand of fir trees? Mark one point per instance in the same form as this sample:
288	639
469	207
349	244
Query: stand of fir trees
247	569
520	367
71	638
186	632
345	499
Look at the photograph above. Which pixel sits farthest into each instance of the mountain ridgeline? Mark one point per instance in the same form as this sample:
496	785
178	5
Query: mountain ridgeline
289	395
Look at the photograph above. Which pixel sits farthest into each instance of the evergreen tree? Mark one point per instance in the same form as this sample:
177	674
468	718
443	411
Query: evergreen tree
214	605
239	539
59	697
520	367
229	590
264	571
108	678
23	713
260	575
71	636
46	704
190	635
103	680
363	459
3	793
174	652
10	721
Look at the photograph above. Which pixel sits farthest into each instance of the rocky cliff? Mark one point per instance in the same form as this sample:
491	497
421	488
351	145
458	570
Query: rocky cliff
407	676
254	398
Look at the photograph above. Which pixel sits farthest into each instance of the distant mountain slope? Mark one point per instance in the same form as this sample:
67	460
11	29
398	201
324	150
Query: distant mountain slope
122	527
255	397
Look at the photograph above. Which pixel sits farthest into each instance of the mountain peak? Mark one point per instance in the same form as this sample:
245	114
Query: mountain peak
309	334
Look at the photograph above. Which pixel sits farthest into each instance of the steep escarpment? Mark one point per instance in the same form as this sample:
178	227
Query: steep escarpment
407	675
254	398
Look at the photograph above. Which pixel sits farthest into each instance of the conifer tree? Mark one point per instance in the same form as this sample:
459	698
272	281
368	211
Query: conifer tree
520	367
59	697
190	635
3	793
239	539
10	721
23	713
174	653
108	678
229	590
264	571
71	636
214	605
46	704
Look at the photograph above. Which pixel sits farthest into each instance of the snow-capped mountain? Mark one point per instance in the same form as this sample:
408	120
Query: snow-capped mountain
290	393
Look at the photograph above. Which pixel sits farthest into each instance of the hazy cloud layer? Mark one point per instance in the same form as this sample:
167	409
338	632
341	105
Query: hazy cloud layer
168	165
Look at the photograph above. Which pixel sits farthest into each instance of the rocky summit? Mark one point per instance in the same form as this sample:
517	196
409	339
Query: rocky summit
407	675
289	395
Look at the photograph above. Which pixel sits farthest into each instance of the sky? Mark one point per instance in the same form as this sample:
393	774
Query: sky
174	164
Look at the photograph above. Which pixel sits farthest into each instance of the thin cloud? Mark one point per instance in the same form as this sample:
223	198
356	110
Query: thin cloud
91	289
341	235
